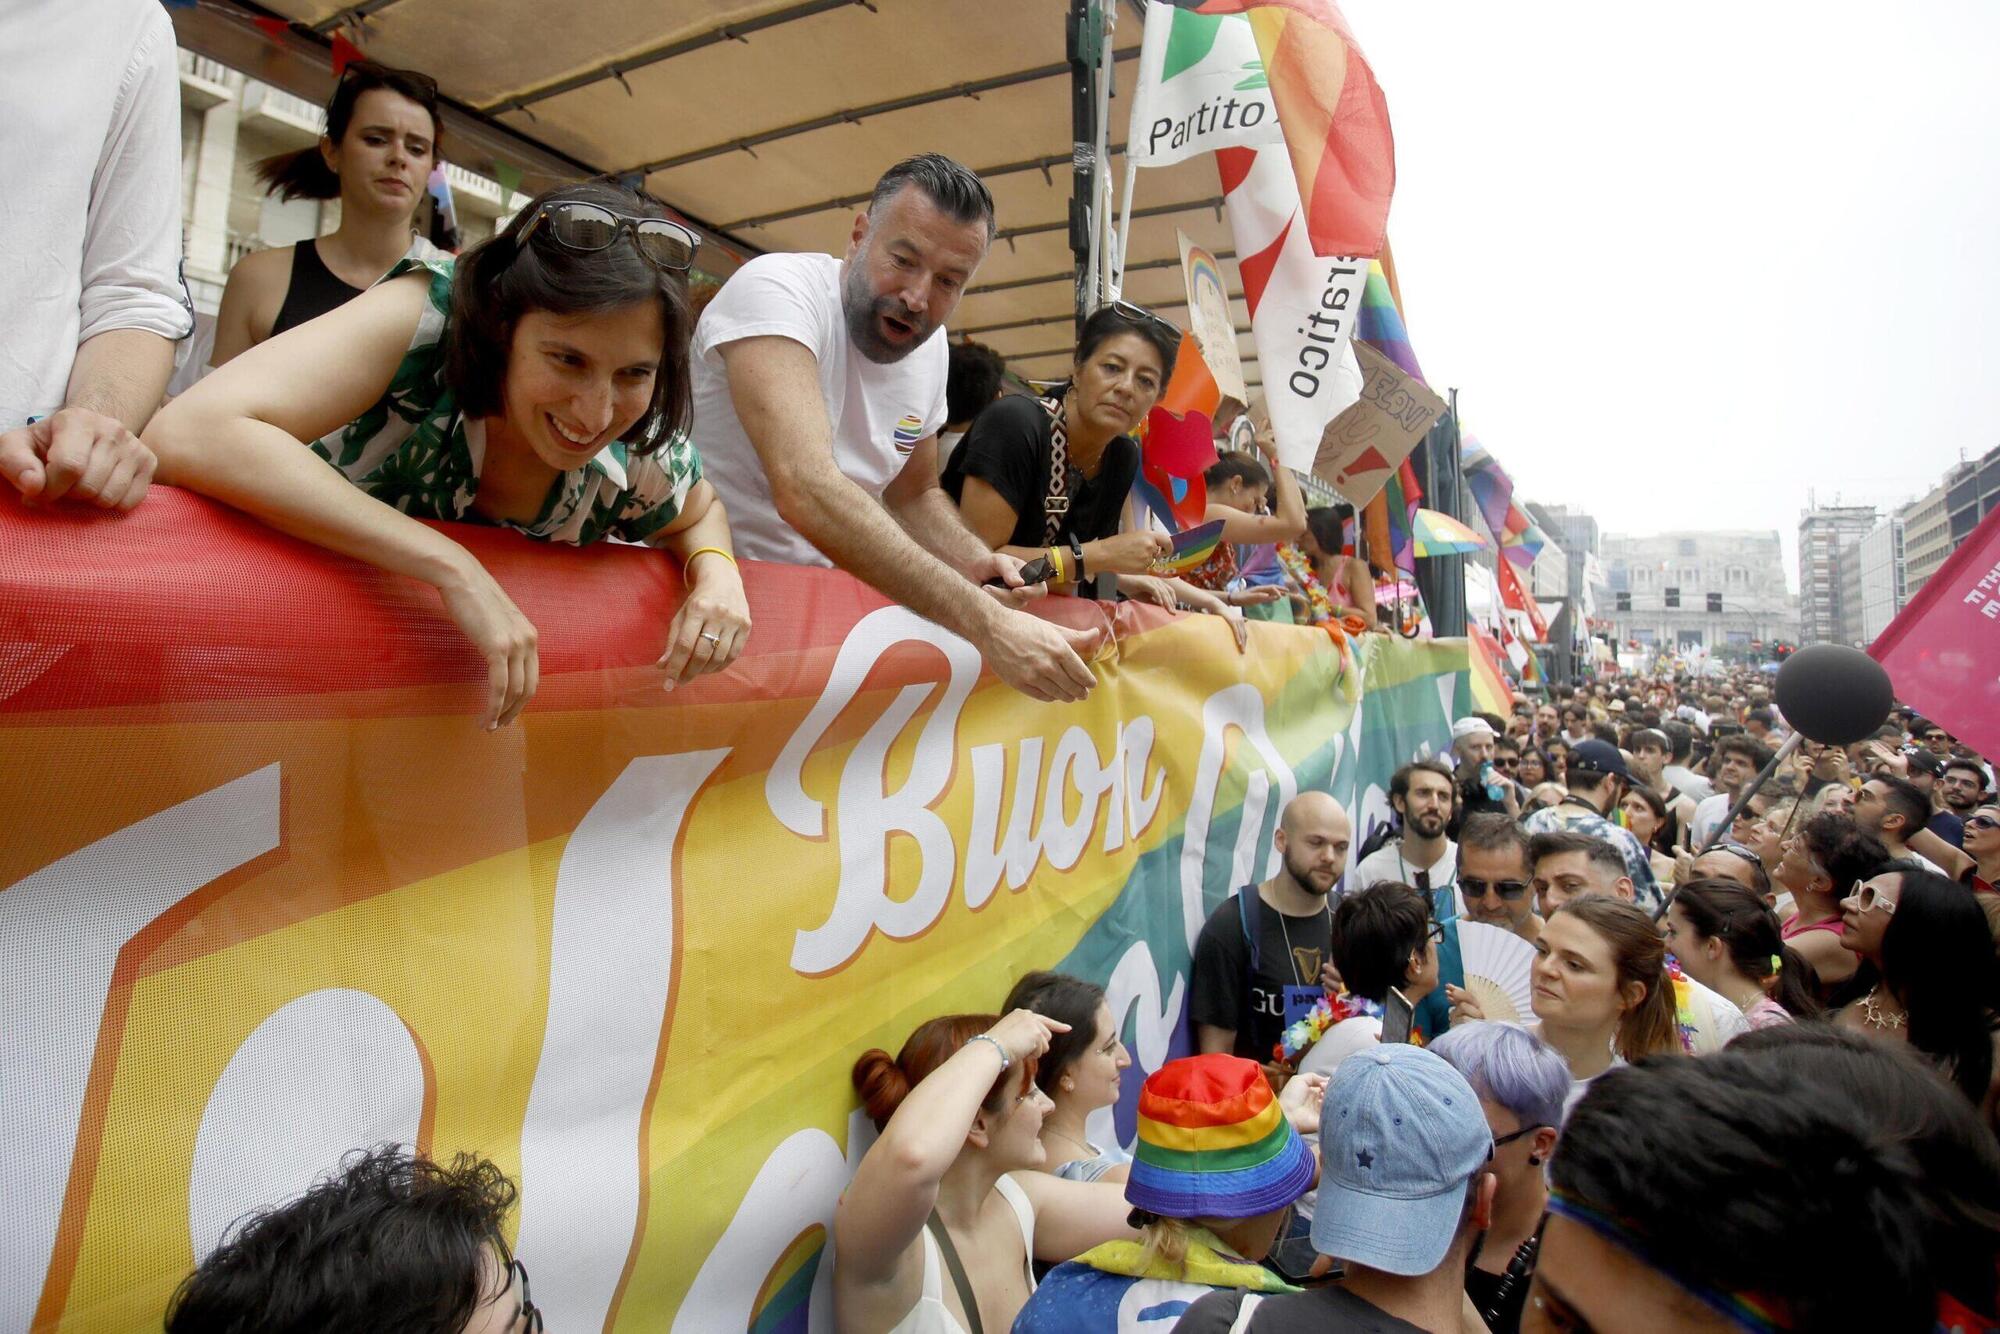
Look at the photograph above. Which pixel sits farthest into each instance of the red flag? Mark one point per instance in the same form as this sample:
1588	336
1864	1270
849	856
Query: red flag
1942	652
1513	595
1180	430
1335	119
273	28
345	53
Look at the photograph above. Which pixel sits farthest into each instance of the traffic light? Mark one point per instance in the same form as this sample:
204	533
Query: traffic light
1715	602
1624	601
1674	598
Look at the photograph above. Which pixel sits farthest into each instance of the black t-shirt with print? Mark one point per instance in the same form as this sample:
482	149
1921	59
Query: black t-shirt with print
1226	992
1009	446
1330	1310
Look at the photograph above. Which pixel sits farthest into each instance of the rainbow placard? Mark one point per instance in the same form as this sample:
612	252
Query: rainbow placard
268	892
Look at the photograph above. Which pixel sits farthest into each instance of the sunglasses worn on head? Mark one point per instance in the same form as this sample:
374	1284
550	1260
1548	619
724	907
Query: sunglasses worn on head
1475	888
1738	850
1140	315
588	228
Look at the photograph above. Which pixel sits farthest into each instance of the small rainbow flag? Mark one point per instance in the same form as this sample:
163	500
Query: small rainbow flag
1191	548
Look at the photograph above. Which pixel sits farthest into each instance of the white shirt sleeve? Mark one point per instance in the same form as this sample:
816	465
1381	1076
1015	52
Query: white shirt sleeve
771	295
132	239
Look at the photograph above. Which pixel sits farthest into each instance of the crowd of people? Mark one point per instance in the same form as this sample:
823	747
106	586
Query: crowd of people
1764	1018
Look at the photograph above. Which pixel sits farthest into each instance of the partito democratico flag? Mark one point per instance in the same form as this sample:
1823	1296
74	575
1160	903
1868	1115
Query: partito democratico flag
1942	652
1302	306
1201	87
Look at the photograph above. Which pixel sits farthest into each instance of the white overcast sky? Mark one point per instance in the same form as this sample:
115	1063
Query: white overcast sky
1684	262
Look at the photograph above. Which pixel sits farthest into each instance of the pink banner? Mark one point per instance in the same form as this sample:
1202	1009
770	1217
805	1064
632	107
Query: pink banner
1943	652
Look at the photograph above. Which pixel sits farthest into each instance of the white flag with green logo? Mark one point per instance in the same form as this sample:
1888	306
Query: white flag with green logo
1201	87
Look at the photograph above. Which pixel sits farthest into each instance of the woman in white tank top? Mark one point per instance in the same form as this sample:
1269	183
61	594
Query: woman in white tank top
934	1236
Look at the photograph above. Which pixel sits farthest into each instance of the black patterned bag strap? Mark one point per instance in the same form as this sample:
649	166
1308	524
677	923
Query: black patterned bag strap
1055	508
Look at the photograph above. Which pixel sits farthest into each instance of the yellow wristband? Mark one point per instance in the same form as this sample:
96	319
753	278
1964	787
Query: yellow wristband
1056	564
702	551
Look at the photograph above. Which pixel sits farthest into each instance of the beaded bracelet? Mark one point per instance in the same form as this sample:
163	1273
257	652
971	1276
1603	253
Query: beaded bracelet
1006	1061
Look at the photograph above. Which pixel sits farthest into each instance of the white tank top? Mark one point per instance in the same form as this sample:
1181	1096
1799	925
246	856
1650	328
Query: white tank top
930	1315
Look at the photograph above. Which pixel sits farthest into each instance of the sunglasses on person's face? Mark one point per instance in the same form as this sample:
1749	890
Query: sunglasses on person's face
1506	761
588	228
1982	822
1865	898
1502	1141
1140	315
1474	888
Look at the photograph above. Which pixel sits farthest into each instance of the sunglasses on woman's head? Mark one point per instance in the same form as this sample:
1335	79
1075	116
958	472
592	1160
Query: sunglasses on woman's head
588	228
1140	315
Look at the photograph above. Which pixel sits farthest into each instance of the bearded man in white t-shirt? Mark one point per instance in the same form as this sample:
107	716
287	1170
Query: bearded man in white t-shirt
819	388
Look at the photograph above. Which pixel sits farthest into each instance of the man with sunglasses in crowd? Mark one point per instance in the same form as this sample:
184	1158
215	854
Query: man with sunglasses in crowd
819	390
1493	875
90	246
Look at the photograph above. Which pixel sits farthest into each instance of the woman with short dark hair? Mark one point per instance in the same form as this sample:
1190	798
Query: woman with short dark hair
380	144
1015	495
539	383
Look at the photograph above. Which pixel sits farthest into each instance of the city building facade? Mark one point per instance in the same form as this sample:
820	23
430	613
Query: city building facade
1927	533
1825	533
1729	587
1879	577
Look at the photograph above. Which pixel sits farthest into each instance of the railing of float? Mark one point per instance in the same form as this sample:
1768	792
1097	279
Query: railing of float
268	892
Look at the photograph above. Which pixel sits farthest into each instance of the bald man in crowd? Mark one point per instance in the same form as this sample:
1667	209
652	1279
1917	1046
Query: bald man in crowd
1258	960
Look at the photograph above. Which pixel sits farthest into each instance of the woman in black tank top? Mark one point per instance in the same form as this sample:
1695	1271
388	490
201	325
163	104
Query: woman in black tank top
378	150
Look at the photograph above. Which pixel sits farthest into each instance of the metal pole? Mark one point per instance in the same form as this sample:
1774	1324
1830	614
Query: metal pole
1085	45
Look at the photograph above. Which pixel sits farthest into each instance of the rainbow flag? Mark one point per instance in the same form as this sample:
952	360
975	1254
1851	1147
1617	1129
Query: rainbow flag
1192	547
1490	691
1380	325
1335	119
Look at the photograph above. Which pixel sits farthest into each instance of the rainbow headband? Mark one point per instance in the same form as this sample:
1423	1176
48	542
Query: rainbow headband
1746	1311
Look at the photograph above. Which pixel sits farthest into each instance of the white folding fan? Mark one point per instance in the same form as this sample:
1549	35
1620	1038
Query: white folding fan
1498	968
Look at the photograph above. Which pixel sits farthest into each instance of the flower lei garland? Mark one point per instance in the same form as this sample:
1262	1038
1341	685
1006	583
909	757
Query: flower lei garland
1329	1010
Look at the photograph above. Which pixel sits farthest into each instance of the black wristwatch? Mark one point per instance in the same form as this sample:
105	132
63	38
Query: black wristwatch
1076	556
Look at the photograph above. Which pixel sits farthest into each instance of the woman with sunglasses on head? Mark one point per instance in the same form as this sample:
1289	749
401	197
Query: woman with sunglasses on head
1522	1083
1823	860
1727	939
1940	983
1015	495
539	383
380	144
938	1231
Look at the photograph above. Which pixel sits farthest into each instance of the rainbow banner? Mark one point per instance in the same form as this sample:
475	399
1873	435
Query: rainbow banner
269	893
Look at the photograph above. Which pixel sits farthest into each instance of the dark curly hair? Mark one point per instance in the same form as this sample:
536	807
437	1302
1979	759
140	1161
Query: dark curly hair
394	1242
500	280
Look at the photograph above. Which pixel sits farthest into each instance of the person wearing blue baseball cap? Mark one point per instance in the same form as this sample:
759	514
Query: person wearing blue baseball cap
1406	1189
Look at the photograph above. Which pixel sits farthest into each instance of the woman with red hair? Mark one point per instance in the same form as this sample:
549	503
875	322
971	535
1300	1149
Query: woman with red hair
938	1232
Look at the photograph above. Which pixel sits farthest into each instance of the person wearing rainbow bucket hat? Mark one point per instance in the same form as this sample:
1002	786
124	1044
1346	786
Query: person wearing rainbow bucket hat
1219	1161
1406	1191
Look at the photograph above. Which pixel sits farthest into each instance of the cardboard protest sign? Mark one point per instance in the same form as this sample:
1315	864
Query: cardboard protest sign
1374	434
1209	321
